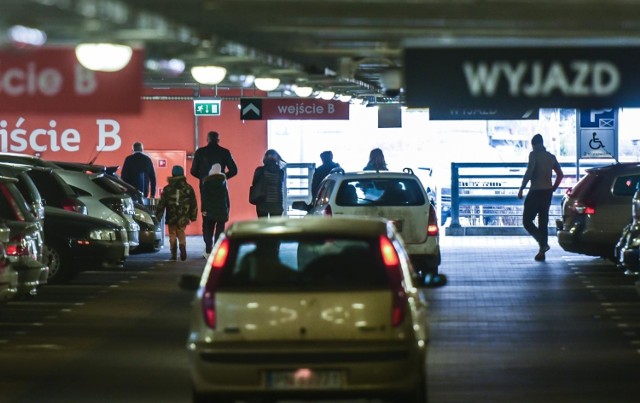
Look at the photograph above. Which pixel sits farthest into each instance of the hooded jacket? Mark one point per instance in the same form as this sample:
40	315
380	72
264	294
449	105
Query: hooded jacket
179	200
215	197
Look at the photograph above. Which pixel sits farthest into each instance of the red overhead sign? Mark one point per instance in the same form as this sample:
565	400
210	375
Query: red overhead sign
292	109
51	80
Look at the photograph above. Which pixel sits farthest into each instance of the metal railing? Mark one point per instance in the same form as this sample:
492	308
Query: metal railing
486	194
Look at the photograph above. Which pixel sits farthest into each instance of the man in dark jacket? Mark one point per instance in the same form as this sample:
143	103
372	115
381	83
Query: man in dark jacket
213	153
322	171
138	171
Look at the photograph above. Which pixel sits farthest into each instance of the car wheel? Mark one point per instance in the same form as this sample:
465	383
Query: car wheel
60	269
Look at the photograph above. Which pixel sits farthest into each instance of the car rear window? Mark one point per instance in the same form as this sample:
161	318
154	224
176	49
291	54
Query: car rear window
380	192
109	184
51	187
12	204
625	185
585	185
318	263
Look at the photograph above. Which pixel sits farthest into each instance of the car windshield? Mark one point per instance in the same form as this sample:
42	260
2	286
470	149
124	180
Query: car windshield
319	263
380	192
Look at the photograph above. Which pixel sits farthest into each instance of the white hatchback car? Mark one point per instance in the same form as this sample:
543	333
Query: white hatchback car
397	196
315	307
105	200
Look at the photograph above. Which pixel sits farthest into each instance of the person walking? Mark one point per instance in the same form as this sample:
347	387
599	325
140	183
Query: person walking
138	171
539	171
212	153
323	170
215	207
179	200
376	161
270	176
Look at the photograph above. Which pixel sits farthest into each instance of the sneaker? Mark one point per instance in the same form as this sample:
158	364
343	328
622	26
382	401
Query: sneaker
545	248
205	255
173	259
540	256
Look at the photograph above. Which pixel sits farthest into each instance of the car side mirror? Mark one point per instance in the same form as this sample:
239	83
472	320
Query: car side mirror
189	282
300	205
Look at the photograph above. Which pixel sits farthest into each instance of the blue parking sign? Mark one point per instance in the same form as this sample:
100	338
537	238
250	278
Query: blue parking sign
598	118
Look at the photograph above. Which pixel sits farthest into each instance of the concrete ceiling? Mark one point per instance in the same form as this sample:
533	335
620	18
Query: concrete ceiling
343	44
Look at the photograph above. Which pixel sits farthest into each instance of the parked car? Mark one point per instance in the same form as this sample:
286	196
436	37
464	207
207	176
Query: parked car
76	242
27	187
627	250
104	200
397	196
8	275
289	307
151	233
25	246
596	210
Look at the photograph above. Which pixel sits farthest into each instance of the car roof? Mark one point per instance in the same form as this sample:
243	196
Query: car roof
408	173
614	168
284	226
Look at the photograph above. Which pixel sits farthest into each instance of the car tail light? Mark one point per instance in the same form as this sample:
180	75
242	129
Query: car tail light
74	205
17	246
209	295
328	212
583	208
432	226
394	274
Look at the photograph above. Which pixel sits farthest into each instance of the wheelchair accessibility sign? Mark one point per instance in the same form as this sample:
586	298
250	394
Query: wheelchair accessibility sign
597	133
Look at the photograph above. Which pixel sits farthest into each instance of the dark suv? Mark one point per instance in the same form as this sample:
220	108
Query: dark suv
597	208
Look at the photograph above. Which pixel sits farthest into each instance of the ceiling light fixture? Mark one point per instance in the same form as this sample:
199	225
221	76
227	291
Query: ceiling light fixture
208	75
345	98
302	92
327	95
103	56
266	84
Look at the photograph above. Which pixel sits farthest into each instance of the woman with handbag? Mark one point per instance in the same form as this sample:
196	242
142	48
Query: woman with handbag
267	187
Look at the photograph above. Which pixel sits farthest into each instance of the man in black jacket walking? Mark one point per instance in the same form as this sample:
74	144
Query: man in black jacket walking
213	153
138	171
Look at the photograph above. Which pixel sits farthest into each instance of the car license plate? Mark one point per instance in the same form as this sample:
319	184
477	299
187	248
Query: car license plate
305	378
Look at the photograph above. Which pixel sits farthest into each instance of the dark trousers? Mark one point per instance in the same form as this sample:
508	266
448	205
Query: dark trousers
211	231
265	213
537	204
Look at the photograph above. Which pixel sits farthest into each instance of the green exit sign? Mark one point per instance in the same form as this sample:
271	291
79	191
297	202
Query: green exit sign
206	107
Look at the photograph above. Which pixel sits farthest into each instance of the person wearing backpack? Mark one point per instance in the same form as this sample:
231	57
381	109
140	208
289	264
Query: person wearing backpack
178	199
270	178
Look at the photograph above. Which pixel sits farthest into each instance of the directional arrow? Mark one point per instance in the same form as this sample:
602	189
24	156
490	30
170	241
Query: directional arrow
251	108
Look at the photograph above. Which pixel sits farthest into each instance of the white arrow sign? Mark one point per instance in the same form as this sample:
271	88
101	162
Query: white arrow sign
251	108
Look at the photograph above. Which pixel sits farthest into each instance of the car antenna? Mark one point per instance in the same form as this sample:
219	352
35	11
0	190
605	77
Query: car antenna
96	157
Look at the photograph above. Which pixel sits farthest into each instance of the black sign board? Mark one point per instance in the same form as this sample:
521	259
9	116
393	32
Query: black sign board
250	109
436	113
523	77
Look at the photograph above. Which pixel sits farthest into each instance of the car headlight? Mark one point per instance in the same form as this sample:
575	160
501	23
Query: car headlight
143	216
103	235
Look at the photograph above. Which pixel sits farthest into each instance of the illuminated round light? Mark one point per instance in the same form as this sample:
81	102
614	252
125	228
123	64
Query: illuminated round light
103	56
266	84
302	92
208	75
345	98
327	95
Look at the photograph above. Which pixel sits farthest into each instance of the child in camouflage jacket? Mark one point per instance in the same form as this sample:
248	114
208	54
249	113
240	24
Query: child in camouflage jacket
179	200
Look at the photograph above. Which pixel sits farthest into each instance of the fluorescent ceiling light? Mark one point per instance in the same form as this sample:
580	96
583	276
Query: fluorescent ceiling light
103	56
266	83
327	95
209	75
302	92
